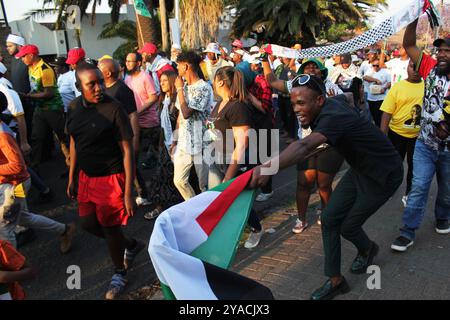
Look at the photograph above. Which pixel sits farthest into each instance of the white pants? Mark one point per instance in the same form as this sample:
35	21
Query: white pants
183	163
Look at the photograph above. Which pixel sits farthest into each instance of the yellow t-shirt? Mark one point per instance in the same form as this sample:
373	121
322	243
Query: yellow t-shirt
204	70
404	103
42	76
19	191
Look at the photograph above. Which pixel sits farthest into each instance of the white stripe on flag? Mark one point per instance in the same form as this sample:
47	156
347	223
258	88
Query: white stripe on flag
175	235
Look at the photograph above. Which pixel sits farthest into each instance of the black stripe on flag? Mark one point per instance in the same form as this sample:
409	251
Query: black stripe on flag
228	285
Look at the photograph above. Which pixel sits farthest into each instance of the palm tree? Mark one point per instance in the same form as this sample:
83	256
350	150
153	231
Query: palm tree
147	30
164	25
288	21
200	21
62	5
126	30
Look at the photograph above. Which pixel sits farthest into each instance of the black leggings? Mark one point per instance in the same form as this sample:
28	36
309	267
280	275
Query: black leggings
375	111
404	146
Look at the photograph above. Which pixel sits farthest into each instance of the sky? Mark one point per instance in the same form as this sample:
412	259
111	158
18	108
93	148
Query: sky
17	9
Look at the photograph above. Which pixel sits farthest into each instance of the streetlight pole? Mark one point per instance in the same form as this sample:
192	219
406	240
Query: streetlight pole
5	19
177	10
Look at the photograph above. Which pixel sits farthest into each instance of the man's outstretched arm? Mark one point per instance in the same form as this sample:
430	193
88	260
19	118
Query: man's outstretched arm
409	42
294	153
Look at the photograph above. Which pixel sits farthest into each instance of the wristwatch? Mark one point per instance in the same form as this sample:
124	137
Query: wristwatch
264	57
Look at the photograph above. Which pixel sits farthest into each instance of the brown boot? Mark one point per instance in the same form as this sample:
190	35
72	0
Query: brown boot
67	237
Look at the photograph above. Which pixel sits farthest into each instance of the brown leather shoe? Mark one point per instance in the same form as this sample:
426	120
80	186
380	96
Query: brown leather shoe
67	237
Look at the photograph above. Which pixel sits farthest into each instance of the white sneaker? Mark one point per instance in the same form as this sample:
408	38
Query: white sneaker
404	200
253	239
143	201
300	226
264	197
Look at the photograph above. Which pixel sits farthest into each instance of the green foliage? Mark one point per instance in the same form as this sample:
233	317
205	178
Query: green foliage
61	5
290	21
126	30
338	31
283	19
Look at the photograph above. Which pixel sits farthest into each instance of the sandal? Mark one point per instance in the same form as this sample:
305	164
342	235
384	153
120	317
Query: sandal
152	214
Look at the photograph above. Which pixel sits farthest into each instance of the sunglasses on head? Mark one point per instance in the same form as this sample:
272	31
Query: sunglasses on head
307	80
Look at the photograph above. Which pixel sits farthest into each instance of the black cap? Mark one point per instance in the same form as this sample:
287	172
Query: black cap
59	61
438	42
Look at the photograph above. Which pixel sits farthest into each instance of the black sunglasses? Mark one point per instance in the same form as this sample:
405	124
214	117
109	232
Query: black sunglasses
307	80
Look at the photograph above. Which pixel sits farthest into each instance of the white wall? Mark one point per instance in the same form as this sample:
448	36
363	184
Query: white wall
36	34
94	47
54	42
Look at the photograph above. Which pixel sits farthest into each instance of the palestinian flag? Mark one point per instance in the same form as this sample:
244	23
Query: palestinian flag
193	243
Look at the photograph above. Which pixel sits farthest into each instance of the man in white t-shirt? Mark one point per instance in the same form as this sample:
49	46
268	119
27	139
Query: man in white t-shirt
215	61
65	81
3	80
17	122
75	58
398	67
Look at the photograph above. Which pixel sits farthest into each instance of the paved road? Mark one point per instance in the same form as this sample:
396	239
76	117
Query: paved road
291	265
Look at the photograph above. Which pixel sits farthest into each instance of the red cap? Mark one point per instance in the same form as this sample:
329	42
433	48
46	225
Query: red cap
149	48
74	55
237	43
29	48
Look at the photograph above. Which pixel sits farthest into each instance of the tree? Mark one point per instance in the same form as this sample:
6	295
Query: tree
61	6
126	30
200	21
288	21
164	25
147	30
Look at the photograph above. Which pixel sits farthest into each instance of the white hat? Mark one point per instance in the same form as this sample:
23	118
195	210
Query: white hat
240	52
254	59
355	58
213	48
254	49
16	39
3	68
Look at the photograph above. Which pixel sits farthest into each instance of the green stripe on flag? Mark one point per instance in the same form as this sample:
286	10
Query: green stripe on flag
222	244
141	8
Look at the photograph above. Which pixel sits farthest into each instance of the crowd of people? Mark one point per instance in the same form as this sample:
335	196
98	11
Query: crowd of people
113	119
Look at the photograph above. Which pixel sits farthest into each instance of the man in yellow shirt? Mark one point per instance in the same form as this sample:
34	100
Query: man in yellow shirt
402	110
49	110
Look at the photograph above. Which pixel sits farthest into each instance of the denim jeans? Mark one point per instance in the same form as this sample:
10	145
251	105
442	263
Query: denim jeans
36	181
28	219
427	162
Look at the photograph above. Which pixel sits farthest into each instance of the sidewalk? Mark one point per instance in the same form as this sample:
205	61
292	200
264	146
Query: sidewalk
292	265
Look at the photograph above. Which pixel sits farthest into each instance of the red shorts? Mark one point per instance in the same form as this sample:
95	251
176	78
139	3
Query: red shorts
102	196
